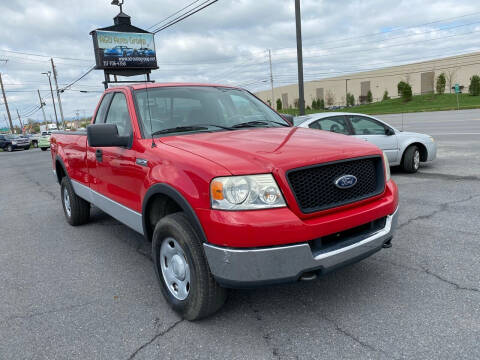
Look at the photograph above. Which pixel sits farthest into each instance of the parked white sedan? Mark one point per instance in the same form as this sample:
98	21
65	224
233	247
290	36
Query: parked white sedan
403	148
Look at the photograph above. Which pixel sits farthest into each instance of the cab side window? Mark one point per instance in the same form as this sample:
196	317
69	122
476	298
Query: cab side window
336	124
118	115
366	126
102	109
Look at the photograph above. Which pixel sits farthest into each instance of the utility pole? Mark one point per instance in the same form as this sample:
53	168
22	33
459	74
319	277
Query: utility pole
346	92
271	78
41	105
48	73
301	93
58	93
20	120
6	104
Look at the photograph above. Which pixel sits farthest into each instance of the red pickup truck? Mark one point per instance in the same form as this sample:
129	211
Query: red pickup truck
226	190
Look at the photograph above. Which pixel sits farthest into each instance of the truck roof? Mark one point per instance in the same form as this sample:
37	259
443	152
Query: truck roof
139	86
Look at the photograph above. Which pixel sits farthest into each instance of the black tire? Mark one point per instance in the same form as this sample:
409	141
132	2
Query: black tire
44	149
205	296
35	144
79	209
9	148
409	163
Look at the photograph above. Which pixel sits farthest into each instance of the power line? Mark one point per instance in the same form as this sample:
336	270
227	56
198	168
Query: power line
186	15
175	13
75	81
392	30
41	55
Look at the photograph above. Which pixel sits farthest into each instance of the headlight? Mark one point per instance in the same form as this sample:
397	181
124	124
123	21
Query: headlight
14	142
431	138
245	193
387	167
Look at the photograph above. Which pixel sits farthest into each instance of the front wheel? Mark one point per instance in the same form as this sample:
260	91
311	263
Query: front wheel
77	210
44	149
9	148
182	269
411	159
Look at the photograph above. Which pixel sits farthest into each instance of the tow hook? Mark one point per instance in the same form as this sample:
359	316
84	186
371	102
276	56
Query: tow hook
387	244
308	276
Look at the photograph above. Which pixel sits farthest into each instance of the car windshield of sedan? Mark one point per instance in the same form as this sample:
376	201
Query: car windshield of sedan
187	109
300	119
12	137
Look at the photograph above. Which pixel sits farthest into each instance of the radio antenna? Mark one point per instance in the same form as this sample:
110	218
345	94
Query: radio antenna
149	112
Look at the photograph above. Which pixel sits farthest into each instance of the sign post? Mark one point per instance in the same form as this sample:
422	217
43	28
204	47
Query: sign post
124	50
457	90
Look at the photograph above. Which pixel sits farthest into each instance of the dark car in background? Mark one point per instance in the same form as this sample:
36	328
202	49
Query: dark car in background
13	142
145	52
118	51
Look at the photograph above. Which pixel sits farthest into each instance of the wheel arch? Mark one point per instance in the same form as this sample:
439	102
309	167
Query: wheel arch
171	200
60	169
421	147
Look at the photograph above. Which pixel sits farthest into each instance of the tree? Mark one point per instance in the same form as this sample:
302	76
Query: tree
321	104
404	90
330	97
350	100
279	104
450	76
441	81
474	88
369	96
400	86
314	104
407	92
385	96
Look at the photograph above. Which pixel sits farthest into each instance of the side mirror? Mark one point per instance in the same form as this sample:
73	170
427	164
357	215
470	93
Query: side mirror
389	132
288	118
100	135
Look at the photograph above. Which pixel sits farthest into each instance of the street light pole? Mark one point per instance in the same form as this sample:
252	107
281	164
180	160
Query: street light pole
301	94
48	73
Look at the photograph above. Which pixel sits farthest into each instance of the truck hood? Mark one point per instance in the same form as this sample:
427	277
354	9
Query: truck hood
262	150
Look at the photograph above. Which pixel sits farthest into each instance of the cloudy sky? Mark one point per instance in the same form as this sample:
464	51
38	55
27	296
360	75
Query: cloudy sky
225	43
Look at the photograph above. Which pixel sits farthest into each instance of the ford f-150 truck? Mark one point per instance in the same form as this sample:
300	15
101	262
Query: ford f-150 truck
226	190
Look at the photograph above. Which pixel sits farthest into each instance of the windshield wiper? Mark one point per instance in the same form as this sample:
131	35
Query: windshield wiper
256	123
179	129
190	128
218	126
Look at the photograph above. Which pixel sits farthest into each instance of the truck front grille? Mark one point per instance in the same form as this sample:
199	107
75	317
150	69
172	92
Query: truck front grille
314	186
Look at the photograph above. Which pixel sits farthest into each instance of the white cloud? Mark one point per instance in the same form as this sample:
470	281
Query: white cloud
227	42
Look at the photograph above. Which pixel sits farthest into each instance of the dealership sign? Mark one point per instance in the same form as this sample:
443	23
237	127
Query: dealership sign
124	50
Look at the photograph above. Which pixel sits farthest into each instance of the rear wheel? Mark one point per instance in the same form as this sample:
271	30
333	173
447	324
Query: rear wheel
77	210
44	149
411	159
182	269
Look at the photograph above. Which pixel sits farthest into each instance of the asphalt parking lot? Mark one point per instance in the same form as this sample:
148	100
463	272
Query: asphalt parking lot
90	292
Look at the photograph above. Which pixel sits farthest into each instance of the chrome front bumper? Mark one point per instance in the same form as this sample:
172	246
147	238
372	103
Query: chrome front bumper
249	267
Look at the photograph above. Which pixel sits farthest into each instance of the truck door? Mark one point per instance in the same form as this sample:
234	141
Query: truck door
114	173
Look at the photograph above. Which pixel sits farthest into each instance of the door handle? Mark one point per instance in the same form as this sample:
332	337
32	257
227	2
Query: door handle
99	155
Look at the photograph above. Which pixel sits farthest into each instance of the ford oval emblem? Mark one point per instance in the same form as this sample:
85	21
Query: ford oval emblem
346	181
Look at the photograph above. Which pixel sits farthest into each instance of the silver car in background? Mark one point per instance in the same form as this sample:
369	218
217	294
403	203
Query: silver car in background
403	148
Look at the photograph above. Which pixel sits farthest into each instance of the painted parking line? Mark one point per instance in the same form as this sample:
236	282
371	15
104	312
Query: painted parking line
442	134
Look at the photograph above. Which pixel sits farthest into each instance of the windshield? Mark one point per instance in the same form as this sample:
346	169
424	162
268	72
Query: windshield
12	136
201	108
300	119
